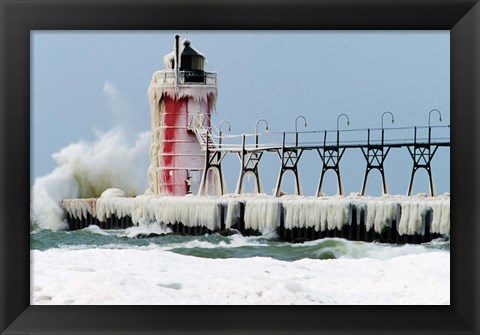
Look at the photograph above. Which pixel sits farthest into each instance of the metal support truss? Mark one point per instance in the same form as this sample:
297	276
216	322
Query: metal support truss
289	158
331	156
249	161
213	160
422	155
375	156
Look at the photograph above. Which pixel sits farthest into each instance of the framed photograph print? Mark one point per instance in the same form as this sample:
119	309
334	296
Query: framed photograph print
122	208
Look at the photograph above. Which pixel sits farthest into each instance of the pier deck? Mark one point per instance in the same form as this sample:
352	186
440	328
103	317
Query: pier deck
387	219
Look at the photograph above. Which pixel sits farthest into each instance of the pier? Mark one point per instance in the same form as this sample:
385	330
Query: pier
293	218
389	219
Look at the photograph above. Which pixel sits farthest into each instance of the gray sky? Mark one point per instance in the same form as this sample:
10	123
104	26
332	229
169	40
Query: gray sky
271	74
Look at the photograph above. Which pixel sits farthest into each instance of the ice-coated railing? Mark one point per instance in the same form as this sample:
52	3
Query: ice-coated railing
399	136
167	77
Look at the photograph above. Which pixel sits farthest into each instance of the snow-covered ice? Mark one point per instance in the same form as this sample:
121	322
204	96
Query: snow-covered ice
152	275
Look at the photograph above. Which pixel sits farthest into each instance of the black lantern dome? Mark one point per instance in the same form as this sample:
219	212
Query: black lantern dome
191	64
190	59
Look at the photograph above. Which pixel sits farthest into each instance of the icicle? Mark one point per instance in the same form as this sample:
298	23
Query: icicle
380	214
441	216
411	220
261	213
79	208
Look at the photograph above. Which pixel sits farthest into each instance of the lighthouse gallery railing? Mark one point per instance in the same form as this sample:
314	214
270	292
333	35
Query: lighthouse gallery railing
209	78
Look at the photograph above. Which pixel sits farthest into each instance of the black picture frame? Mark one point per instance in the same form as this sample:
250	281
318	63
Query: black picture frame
19	17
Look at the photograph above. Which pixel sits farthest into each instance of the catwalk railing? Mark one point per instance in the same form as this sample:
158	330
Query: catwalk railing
375	143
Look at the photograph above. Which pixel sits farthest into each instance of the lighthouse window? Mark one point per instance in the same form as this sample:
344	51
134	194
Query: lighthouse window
194	63
197	63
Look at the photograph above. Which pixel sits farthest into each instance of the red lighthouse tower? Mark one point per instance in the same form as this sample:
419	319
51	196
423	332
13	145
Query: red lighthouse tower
182	98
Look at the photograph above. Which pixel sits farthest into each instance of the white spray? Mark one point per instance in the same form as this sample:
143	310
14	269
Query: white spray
86	169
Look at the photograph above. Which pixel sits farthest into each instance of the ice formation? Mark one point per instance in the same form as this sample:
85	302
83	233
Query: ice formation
233	212
113	192
380	214
264	212
320	213
79	208
157	109
441	216
191	211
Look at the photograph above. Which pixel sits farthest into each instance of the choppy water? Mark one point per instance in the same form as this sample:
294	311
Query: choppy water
217	246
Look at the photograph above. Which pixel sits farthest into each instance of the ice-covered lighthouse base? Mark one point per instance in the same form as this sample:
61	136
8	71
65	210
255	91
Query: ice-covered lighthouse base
392	219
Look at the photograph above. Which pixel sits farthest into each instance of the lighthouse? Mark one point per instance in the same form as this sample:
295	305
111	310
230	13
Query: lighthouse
182	98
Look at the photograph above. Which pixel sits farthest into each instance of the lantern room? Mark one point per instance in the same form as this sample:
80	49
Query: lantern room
192	63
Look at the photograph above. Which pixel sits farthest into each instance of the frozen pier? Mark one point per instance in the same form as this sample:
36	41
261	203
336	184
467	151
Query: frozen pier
187	151
390	219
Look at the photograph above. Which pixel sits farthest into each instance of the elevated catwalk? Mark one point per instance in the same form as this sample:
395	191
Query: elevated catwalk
388	219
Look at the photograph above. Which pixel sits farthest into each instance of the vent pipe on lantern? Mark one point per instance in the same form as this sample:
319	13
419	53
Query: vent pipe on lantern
177	58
